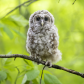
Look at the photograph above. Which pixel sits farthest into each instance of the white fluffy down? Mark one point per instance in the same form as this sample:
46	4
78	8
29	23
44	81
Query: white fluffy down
43	41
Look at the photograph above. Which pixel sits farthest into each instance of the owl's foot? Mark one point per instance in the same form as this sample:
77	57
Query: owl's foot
48	63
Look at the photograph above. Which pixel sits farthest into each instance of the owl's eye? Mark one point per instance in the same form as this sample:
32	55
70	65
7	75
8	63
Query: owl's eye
38	18
46	18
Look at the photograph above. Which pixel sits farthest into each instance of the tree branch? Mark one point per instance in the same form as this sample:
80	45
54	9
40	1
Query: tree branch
42	62
73	2
29	1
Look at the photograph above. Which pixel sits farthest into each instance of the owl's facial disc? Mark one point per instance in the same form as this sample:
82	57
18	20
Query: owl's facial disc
42	20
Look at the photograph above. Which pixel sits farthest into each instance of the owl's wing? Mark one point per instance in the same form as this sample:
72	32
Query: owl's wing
28	39
56	32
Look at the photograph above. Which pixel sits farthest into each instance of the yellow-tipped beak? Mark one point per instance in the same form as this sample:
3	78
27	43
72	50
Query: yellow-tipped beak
42	22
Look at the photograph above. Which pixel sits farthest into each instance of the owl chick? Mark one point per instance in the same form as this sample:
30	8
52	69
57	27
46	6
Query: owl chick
42	37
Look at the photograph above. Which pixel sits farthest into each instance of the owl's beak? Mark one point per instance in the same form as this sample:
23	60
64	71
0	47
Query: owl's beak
42	23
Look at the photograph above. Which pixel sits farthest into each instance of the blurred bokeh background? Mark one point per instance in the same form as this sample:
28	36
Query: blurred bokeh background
69	19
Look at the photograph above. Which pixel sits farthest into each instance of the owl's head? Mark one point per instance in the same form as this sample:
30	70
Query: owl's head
41	18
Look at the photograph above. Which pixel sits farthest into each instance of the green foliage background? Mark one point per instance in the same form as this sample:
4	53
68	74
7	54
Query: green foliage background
69	20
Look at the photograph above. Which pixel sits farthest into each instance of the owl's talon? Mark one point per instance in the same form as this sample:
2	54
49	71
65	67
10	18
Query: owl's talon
49	64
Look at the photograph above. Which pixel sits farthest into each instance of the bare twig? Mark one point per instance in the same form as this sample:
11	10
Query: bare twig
42	73
73	2
29	1
17	75
42	62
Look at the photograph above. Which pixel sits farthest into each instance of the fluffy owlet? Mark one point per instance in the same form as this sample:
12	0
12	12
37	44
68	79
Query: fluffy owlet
42	37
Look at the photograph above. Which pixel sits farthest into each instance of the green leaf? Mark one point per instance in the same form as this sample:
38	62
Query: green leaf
3	75
42	81
1	29
32	74
35	81
24	79
8	32
28	82
19	33
19	20
28	62
51	79
6	60
1	25
9	23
